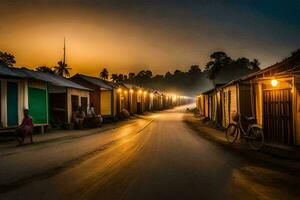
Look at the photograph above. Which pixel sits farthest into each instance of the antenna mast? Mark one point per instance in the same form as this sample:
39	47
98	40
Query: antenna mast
64	60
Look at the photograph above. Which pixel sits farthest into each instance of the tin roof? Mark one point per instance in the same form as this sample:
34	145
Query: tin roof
95	81
49	78
7	71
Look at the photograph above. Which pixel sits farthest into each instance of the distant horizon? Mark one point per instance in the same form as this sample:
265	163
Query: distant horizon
181	68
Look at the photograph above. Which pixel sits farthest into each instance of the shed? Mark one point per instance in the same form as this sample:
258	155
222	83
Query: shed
98	87
275	101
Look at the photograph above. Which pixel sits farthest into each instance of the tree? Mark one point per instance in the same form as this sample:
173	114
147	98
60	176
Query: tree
45	69
114	77
7	59
296	52
194	69
168	75
131	76
62	69
120	78
255	64
218	60
104	74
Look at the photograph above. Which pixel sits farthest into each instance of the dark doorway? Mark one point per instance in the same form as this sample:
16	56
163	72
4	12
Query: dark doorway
84	104
278	116
74	103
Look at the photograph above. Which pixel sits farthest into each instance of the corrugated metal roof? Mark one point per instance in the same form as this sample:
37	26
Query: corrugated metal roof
7	71
49	78
96	81
112	84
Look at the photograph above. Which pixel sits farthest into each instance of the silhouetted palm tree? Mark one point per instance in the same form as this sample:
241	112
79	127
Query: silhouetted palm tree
104	74
62	69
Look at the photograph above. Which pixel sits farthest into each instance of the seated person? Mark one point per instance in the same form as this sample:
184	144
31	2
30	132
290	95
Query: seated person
26	128
93	120
91	111
78	118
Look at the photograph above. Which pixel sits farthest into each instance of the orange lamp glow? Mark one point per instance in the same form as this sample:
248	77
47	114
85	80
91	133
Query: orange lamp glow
131	90
119	90
274	82
140	91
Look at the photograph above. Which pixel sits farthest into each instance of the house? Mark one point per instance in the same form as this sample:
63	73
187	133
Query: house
107	97
35	96
201	105
100	94
133	98
271	95
48	97
157	100
275	94
122	97
210	104
53	97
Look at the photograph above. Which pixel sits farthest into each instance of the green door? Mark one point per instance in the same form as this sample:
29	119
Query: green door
38	105
12	104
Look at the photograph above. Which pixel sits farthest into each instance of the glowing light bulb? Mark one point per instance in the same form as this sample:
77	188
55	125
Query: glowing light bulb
274	82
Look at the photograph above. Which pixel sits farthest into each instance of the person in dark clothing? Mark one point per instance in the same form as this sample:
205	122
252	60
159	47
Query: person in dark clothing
26	128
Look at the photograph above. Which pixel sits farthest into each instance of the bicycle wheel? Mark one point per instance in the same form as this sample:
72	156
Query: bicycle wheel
256	140
231	133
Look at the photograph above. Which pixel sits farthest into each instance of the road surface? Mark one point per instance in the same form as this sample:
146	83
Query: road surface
157	158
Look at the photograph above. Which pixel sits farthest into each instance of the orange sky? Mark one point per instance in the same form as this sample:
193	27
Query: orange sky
121	39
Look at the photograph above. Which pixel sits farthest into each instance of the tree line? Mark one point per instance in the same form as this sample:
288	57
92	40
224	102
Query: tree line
61	69
219	69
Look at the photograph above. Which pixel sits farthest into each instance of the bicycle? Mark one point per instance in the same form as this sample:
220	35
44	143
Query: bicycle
254	133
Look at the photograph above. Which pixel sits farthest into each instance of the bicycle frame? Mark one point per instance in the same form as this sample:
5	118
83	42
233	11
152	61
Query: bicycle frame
240	127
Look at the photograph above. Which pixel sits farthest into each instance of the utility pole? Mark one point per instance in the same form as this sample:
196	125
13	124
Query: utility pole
64	60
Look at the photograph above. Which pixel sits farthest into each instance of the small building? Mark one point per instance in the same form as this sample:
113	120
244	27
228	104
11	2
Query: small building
133	98
275	101
122	97
100	94
271	95
61	95
107	97
235	99
157	100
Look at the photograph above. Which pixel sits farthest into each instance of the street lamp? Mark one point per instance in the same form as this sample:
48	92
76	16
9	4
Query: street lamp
119	90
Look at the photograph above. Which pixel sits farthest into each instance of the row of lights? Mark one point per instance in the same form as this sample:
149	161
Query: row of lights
151	94
131	91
